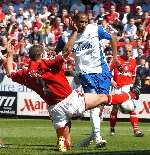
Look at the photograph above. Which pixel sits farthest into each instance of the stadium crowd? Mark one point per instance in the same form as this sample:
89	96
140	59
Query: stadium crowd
43	22
27	23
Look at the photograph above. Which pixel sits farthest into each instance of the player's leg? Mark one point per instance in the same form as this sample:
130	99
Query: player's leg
94	100
113	119
90	84
96	127
2	143
62	124
64	139
134	122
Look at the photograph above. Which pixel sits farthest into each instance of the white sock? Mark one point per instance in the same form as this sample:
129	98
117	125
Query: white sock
95	122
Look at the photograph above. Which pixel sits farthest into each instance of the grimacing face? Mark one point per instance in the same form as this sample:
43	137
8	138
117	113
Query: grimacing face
82	23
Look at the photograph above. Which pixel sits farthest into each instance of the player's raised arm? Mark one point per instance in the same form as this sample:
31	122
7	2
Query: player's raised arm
9	64
113	43
69	45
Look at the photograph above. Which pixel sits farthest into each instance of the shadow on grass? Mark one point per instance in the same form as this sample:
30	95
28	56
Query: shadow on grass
42	147
31	147
137	152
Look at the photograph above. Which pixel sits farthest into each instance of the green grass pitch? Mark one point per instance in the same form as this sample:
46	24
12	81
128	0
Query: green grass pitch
37	137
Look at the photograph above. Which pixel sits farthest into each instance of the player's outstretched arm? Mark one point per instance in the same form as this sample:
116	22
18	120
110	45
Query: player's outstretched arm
113	43
69	45
9	64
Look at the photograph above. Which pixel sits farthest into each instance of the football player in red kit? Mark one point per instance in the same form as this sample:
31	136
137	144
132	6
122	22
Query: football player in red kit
47	78
122	83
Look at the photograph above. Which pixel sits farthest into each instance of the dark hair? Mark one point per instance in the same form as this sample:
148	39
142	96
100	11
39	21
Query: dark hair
35	52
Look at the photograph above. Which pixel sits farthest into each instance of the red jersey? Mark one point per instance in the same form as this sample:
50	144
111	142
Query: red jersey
46	78
129	71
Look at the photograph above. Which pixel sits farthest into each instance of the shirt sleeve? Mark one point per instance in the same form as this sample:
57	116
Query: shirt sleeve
103	33
57	62
60	45
62	41
18	76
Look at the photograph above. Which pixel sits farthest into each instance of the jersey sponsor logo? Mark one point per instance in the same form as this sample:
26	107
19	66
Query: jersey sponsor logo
30	105
81	47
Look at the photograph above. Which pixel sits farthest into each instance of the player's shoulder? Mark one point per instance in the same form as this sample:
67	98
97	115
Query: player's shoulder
91	27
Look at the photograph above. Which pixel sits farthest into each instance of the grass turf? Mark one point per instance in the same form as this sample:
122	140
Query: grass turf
37	137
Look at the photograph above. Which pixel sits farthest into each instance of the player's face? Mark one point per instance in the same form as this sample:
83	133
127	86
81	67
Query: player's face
82	23
127	52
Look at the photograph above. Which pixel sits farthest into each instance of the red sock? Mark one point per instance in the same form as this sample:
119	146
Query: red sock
120	98
134	120
113	118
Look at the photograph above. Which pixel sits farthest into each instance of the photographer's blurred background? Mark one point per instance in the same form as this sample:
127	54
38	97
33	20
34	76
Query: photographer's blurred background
43	22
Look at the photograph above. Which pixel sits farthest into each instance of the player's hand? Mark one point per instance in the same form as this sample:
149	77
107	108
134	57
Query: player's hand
114	84
73	26
10	49
118	66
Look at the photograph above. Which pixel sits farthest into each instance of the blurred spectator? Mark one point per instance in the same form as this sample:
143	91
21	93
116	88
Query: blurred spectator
56	28
97	7
26	4
147	48
37	23
143	71
20	17
37	6
130	2
141	32
2	15
113	16
43	22
64	14
120	4
10	12
138	49
146	5
44	13
54	9
25	47
107	5
146	18
138	15
125	16
35	35
3	30
31	15
78	5
100	16
129	30
27	22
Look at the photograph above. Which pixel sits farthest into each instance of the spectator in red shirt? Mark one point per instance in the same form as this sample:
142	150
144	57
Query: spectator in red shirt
37	23
113	16
147	49
108	4
2	15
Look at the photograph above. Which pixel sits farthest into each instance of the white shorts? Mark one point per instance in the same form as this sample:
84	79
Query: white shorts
62	112
125	89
